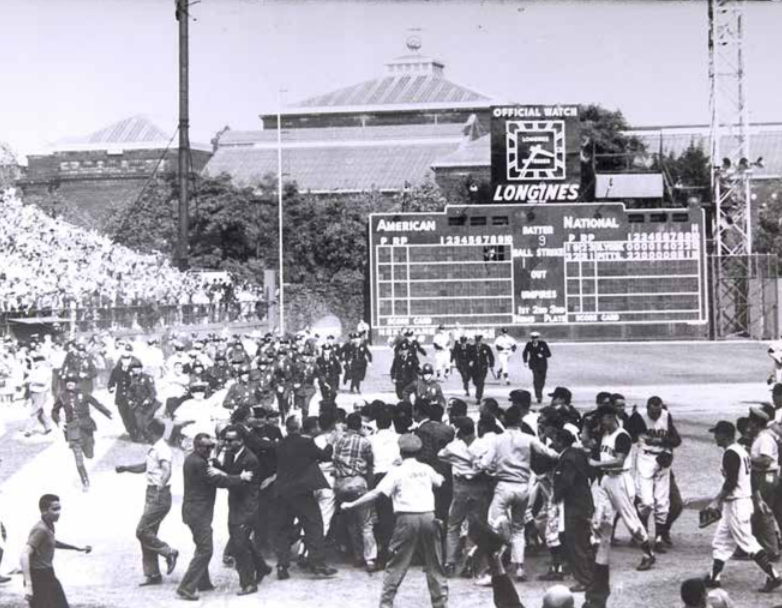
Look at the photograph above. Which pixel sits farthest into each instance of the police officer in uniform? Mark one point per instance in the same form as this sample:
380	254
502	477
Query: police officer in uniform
241	393
425	387
119	383
142	398
329	372
265	389
357	357
304	375
481	362
404	369
536	355
79	425
220	373
460	358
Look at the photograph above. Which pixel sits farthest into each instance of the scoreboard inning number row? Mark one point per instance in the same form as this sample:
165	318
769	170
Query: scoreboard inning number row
491	266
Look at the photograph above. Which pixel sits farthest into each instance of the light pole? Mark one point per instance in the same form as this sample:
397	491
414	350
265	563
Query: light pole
279	210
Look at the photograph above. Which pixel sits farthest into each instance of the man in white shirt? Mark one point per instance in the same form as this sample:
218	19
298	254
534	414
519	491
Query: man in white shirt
764	457
157	504
509	459
410	486
385	454
39	383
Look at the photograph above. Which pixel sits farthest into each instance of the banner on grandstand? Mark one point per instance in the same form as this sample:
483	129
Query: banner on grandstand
535	154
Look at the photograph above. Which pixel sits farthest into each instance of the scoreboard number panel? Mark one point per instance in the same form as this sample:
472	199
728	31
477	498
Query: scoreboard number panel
491	266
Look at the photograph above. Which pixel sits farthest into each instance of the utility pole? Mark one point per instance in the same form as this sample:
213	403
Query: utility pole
183	18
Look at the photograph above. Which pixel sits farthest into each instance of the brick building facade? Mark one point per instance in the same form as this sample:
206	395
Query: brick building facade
106	167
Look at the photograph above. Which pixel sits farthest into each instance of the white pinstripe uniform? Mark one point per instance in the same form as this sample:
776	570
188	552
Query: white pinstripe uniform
617	483
734	528
653	482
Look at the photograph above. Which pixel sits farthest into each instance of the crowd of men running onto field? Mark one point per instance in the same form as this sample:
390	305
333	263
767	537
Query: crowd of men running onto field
470	493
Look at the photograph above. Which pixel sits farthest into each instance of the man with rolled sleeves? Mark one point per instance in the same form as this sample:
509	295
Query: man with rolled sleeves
536	355
410	486
157	504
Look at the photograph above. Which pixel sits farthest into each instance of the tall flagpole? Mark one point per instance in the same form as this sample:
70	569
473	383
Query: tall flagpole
279	211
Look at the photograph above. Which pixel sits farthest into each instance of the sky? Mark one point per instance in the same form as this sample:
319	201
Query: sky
71	67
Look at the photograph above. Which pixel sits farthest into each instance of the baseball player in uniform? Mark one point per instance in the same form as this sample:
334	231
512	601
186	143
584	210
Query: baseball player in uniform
617	484
735	502
442	353
657	438
775	352
505	347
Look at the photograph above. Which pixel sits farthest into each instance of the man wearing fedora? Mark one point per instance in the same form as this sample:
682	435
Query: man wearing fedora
410	486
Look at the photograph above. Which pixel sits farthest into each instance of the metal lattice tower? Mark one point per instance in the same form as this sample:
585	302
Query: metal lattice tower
730	173
729	129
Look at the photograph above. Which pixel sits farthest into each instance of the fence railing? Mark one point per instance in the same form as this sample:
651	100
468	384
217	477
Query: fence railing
148	317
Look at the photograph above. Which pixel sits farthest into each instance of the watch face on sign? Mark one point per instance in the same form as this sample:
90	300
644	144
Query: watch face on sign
536	149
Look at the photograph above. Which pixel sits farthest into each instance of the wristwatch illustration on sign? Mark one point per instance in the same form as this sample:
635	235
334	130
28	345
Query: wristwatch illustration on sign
536	149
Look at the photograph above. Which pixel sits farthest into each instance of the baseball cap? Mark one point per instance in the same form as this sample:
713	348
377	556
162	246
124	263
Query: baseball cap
561	392
535	334
723	427
759	413
409	444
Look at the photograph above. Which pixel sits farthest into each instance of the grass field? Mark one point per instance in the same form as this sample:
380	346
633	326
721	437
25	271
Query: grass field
701	382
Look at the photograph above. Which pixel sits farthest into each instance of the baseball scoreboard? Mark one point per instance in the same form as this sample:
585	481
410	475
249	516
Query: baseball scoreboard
483	267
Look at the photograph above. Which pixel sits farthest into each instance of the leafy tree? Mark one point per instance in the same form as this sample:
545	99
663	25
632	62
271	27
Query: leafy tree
688	174
768	203
606	147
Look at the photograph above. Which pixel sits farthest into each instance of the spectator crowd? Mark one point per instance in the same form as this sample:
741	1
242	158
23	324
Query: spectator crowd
51	267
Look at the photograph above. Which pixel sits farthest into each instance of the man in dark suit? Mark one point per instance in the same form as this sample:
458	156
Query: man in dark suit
435	435
198	511
536	355
298	476
242	510
571	486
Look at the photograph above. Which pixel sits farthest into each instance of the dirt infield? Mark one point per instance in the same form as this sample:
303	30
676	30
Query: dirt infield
701	382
